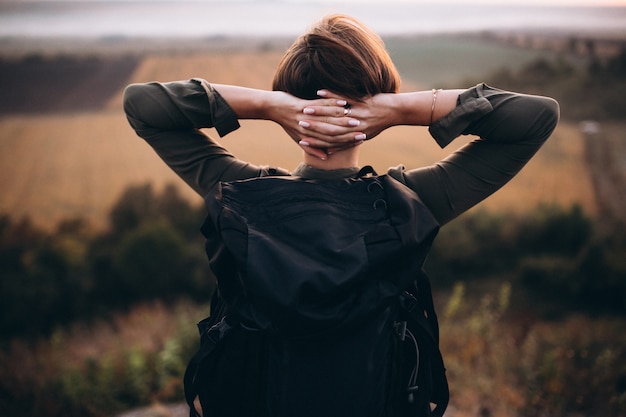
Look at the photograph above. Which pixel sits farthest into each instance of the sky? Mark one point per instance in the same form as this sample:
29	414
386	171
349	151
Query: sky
110	18
498	2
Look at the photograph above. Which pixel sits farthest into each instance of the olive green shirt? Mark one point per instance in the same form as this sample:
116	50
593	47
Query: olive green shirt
510	128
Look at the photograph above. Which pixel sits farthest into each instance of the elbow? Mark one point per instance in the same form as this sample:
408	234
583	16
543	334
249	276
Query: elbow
541	116
547	117
138	104
132	96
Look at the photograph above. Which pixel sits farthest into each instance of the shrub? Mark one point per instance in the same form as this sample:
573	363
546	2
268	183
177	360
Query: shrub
152	262
472	246
574	367
103	369
554	230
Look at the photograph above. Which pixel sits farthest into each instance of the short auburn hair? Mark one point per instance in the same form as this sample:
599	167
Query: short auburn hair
341	54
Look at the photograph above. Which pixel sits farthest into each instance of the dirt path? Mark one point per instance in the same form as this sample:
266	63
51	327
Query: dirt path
605	147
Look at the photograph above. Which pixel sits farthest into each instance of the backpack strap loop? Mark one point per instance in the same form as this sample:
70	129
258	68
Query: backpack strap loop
421	313
367	170
211	332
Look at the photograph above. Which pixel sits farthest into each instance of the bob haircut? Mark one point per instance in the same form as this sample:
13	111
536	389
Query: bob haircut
340	54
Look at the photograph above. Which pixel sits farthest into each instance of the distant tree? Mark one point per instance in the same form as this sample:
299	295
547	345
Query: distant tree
553	230
136	204
44	281
154	249
151	262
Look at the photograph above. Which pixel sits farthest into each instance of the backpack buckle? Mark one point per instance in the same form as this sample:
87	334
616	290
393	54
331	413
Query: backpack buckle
409	302
400	327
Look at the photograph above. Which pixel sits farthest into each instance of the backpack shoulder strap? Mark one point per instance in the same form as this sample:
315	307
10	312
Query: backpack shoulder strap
212	330
422	320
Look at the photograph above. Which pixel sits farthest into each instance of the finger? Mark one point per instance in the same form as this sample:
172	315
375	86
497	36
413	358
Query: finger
327	108
331	151
324	142
321	112
330	142
317	143
330	126
329	94
321	140
316	152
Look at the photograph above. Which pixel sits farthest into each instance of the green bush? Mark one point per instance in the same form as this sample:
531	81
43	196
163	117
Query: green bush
153	250
472	246
44	279
556	256
554	230
152	262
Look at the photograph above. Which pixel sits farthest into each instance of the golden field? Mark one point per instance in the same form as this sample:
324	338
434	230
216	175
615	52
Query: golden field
59	165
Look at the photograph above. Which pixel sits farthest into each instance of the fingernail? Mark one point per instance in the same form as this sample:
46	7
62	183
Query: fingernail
360	136
354	122
304	124
303	143
308	110
341	102
322	93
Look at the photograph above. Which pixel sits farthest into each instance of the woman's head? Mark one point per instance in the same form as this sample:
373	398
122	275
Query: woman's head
340	54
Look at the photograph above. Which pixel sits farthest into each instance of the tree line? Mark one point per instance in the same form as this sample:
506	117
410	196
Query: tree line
589	90
153	250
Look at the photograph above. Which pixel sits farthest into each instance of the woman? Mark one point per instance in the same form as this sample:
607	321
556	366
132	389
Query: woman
335	88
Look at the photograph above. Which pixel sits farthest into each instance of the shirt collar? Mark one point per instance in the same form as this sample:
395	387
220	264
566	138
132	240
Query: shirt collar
307	171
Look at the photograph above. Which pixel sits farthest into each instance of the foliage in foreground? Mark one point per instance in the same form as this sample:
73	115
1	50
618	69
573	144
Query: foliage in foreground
129	360
68	348
506	364
498	363
153	250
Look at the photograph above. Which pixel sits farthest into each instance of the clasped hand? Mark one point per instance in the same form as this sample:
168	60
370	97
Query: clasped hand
331	123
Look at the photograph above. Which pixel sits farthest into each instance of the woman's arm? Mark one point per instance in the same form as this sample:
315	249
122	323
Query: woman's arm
337	131
169	117
511	128
377	113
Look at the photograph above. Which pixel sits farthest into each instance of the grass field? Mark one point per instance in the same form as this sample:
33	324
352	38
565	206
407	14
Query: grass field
56	165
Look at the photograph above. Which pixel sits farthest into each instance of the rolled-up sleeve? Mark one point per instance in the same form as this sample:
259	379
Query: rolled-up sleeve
511	127
169	117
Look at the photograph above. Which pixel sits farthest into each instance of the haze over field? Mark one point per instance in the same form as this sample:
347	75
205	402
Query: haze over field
227	18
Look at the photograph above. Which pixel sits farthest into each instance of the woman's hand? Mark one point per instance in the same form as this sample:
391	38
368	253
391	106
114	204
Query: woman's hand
381	111
320	126
370	116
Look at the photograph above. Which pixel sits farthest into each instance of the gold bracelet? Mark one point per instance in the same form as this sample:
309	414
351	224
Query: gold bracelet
432	109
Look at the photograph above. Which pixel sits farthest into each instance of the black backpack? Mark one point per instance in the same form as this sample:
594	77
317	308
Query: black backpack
322	305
